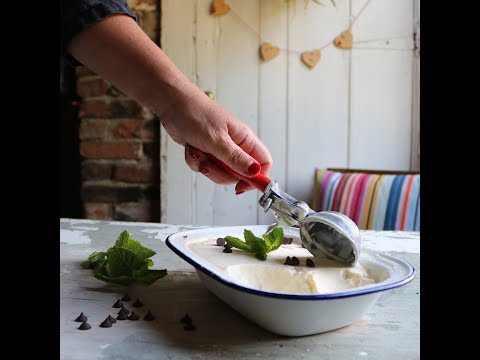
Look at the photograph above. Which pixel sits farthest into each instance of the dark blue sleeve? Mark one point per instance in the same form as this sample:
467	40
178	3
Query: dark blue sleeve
75	15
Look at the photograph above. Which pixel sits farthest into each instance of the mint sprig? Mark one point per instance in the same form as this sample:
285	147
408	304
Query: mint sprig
126	263
260	246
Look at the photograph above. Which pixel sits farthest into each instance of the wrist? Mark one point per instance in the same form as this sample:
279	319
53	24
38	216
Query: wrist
178	94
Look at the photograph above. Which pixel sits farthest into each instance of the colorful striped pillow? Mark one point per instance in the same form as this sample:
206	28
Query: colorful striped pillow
373	201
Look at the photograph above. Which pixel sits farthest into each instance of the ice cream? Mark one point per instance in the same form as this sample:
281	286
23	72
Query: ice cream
274	276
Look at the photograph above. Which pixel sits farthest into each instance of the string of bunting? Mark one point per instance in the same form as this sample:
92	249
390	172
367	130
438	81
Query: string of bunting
269	51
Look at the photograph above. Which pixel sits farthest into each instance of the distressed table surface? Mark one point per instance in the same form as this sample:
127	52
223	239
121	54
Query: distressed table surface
390	330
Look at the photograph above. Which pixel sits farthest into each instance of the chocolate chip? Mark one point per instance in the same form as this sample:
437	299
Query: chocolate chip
310	263
189	327
288	261
125	298
118	304
111	319
133	316
186	319
149	316
227	249
124	310
106	323
220	241
137	303
287	240
295	261
122	316
81	318
85	326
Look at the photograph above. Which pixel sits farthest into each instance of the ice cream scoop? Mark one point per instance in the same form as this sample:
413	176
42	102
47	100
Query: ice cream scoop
326	234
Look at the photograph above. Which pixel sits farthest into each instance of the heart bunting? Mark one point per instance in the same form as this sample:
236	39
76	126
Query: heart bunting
311	58
268	51
219	8
344	40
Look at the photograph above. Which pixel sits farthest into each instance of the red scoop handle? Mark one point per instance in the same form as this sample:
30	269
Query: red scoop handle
259	181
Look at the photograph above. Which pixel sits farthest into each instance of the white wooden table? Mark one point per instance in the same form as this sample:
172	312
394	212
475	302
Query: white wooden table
390	330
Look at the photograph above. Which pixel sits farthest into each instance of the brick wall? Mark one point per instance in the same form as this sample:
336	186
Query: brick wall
119	143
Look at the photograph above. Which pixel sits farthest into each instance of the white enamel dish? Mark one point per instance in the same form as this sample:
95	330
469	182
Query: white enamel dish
289	314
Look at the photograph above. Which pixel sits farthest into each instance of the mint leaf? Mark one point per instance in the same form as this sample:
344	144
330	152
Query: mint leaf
121	262
119	280
275	238
261	256
237	243
257	244
97	256
126	263
260	246
97	259
150	276
139	249
250	238
268	240
124	241
141	269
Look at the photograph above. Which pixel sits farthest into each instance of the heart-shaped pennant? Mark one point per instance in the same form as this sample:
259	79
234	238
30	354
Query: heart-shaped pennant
344	40
268	51
311	58
219	8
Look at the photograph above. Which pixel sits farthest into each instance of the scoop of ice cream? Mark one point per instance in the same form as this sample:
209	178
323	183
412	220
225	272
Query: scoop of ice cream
274	276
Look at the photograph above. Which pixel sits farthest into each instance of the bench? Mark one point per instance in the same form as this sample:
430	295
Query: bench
373	199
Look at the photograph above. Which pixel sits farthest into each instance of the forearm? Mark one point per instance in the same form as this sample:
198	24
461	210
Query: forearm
117	49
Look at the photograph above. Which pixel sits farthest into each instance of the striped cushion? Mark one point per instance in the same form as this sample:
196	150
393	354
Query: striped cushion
373	201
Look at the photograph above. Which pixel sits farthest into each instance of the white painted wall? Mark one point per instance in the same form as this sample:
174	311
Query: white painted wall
357	108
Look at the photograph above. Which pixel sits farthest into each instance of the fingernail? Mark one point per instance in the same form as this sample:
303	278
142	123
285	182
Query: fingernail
239	192
254	169
204	171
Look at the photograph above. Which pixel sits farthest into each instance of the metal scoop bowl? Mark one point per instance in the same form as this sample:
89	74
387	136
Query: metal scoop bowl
326	234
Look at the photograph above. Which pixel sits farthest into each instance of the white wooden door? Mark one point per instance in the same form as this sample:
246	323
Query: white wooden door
355	108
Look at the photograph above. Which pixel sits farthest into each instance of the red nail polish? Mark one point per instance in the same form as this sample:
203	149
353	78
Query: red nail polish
239	192
254	169
204	171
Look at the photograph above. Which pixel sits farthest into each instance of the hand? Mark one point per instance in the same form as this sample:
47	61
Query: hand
203	126
117	49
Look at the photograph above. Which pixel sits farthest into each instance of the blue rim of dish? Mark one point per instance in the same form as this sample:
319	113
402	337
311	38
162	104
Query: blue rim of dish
339	295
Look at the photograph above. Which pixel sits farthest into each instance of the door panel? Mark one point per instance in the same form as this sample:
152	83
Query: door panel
318	97
272	126
381	86
177	200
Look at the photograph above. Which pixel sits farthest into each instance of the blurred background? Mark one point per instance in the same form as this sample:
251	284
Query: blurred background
350	107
